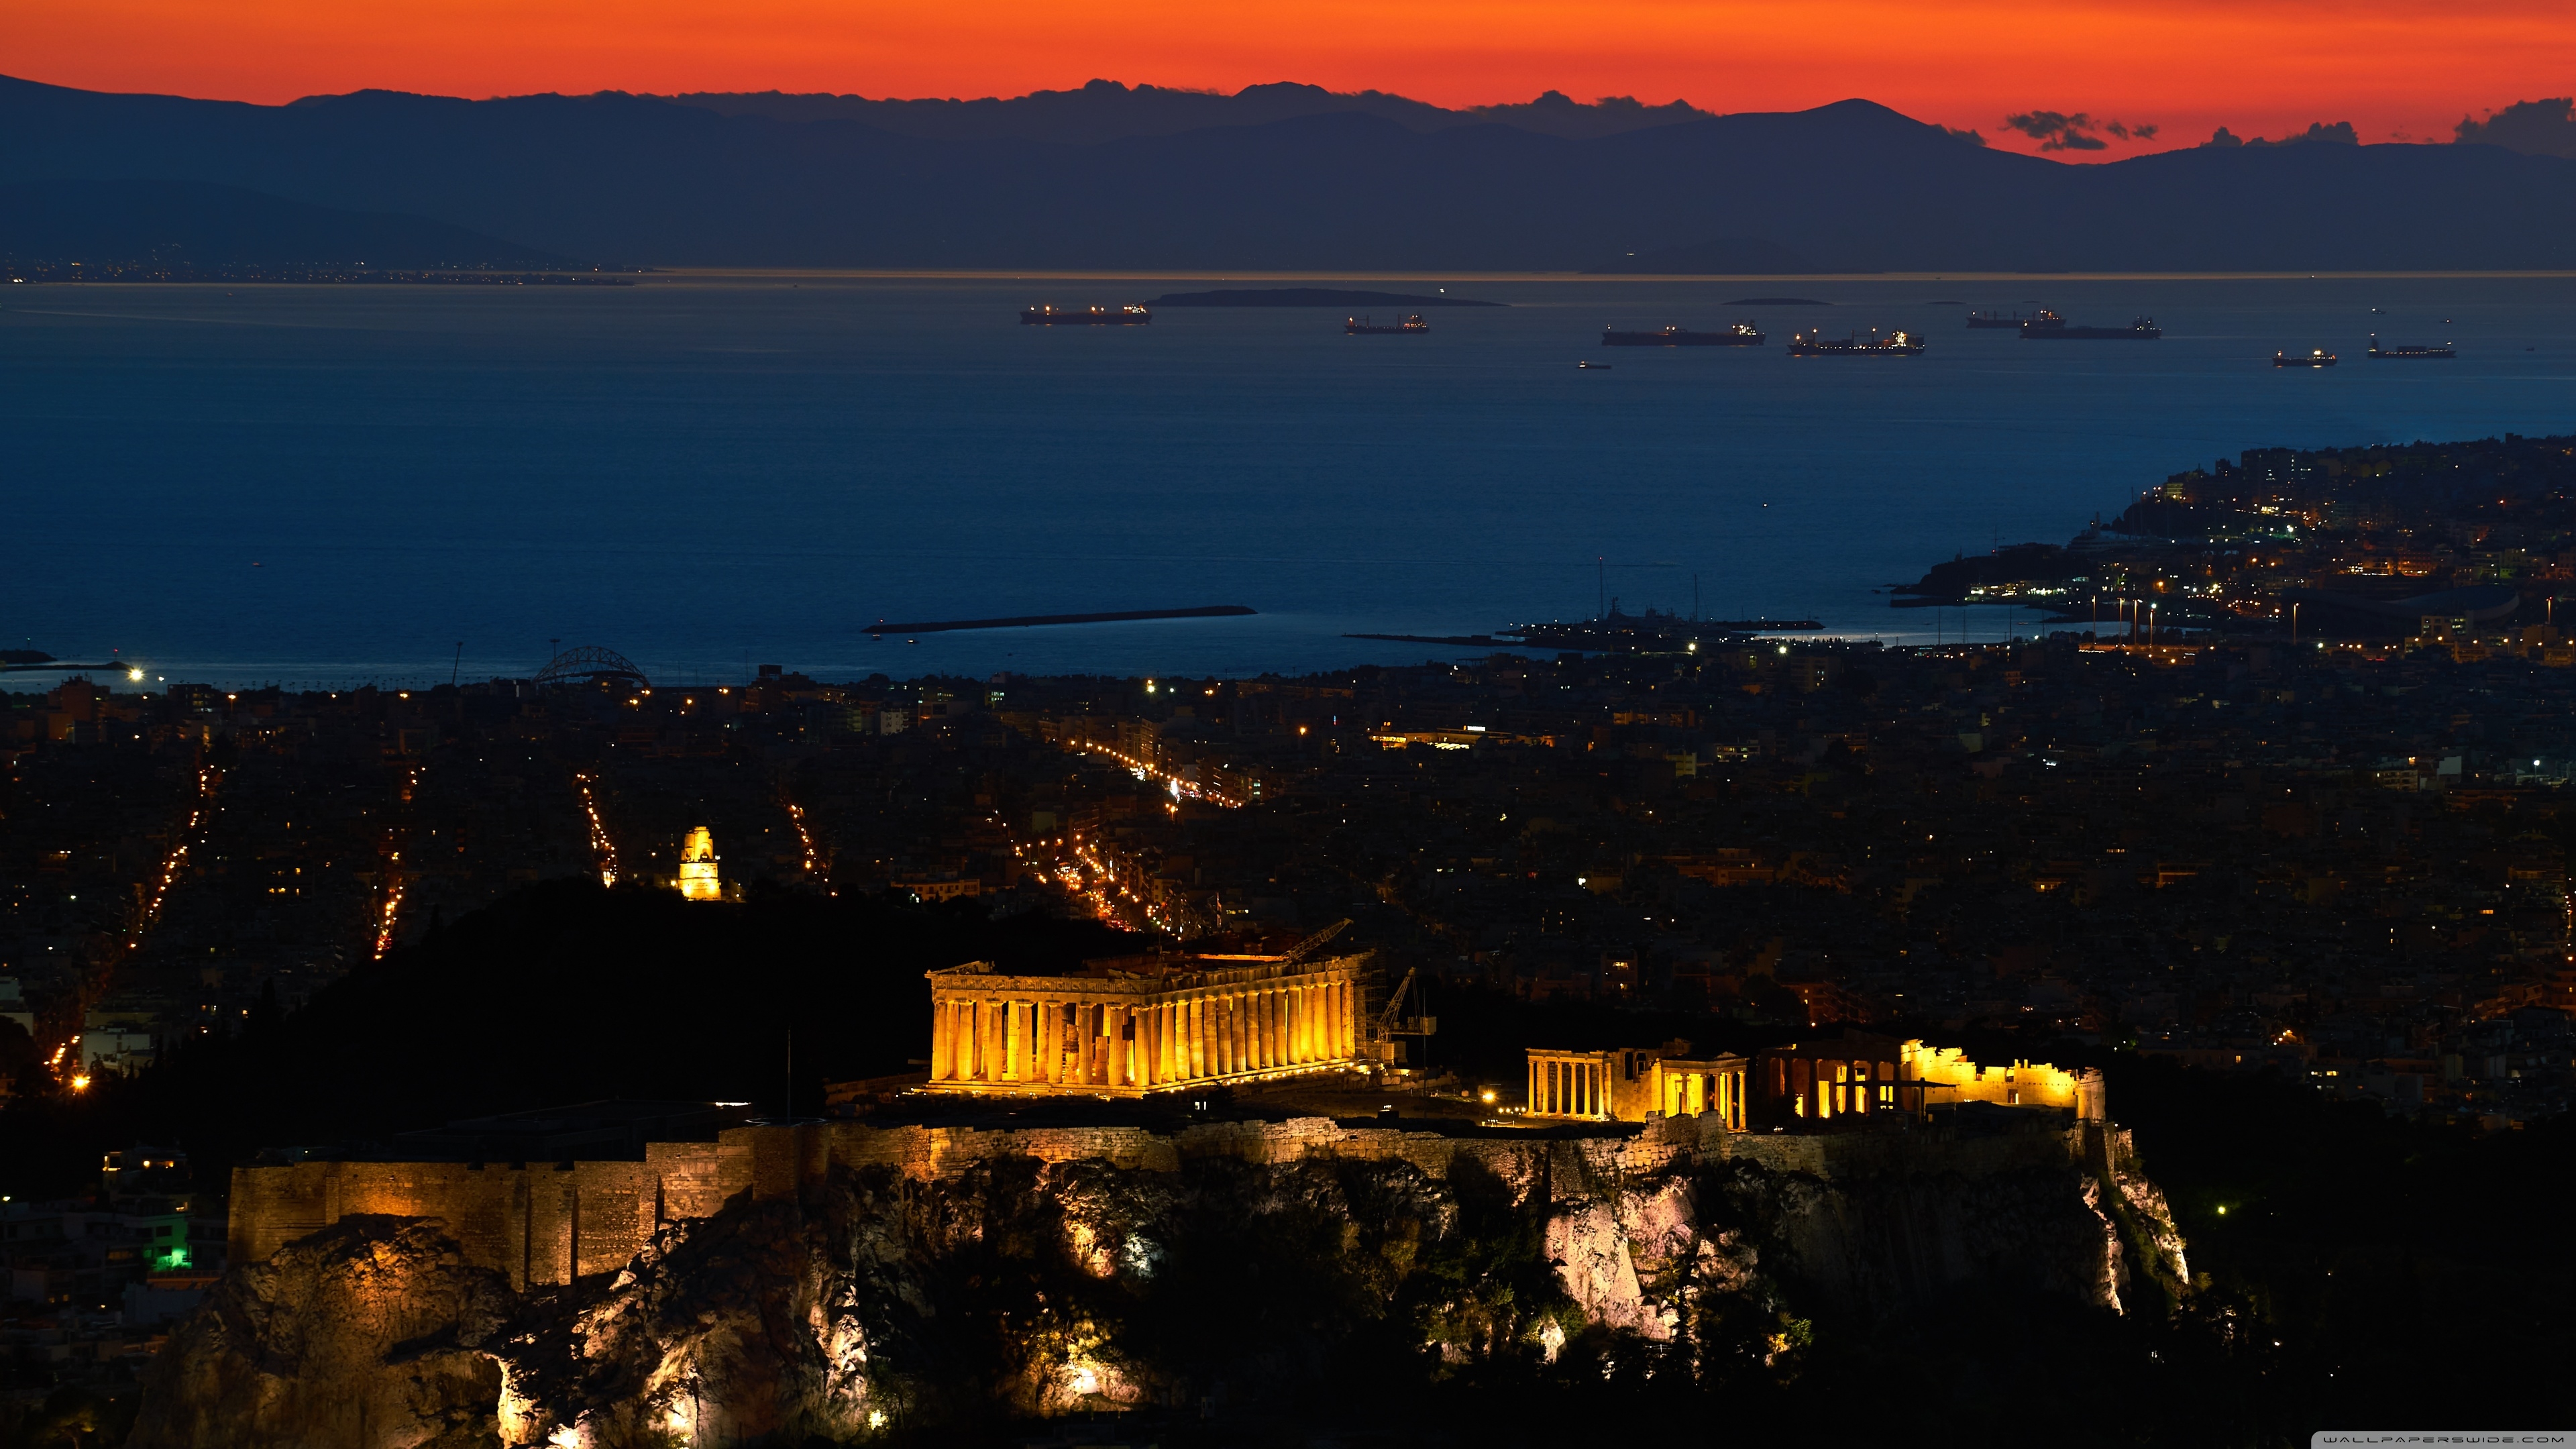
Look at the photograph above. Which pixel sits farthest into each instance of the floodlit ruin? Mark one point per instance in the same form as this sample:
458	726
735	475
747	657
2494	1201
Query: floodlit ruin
1799	1085
1132	1025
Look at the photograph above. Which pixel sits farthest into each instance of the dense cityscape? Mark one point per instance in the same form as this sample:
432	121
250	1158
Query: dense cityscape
2334	861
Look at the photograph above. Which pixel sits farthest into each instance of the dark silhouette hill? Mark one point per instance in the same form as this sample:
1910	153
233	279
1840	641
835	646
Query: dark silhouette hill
201	224
1846	187
1104	110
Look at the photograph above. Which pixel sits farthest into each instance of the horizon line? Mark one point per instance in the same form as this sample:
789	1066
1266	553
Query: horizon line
1202	275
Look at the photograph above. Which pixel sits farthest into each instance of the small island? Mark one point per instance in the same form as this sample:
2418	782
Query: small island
1309	297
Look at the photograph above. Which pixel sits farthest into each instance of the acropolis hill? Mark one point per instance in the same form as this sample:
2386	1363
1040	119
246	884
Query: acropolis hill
754	1280
658	1274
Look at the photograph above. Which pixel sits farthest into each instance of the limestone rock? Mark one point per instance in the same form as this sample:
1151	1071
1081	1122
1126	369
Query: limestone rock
366	1334
875	1298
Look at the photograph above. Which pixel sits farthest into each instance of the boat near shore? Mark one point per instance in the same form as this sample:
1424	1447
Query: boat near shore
2313	357
1412	326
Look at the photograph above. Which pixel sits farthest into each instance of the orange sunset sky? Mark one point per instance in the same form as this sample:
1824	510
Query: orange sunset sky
2397	69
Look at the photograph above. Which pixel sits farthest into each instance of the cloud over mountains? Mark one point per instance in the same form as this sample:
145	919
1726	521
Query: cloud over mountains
2059	131
2535	128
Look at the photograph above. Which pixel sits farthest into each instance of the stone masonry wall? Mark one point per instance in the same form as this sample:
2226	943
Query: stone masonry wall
552	1223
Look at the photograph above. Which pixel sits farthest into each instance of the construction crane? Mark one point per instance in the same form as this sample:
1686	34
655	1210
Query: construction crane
1315	942
1386	1020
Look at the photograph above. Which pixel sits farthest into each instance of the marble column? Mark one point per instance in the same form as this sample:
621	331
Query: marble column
938	1041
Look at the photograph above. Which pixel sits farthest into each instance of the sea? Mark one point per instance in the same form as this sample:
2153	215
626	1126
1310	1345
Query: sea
327	486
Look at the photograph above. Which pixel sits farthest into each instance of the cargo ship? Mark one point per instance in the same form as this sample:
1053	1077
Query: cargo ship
1813	343
2445	350
1997	319
1041	316
2313	357
1742	334
2049	327
1412	326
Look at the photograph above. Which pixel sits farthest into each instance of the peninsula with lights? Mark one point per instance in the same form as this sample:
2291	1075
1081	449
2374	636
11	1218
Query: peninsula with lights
2429	542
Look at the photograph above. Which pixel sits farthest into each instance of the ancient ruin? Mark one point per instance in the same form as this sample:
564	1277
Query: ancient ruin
1132	1025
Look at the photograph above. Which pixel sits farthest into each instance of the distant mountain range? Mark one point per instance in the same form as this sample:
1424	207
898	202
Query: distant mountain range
1108	111
1277	178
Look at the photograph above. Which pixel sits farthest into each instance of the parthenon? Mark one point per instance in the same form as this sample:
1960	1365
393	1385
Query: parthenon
1139	1024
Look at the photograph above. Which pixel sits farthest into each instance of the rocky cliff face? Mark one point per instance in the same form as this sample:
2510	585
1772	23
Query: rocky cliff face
373	1331
872	1301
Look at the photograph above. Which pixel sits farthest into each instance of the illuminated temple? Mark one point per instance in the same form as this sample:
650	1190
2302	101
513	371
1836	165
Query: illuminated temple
698	880
1137	1024
1812	1085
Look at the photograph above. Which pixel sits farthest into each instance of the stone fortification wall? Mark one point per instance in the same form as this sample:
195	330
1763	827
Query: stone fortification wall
550	1223
773	1283
535	1224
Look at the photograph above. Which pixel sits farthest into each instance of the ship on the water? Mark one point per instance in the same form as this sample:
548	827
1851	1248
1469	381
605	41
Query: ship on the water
2409	352
1412	326
1652	632
1997	319
1813	343
1049	315
1742	334
2049	327
2313	357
